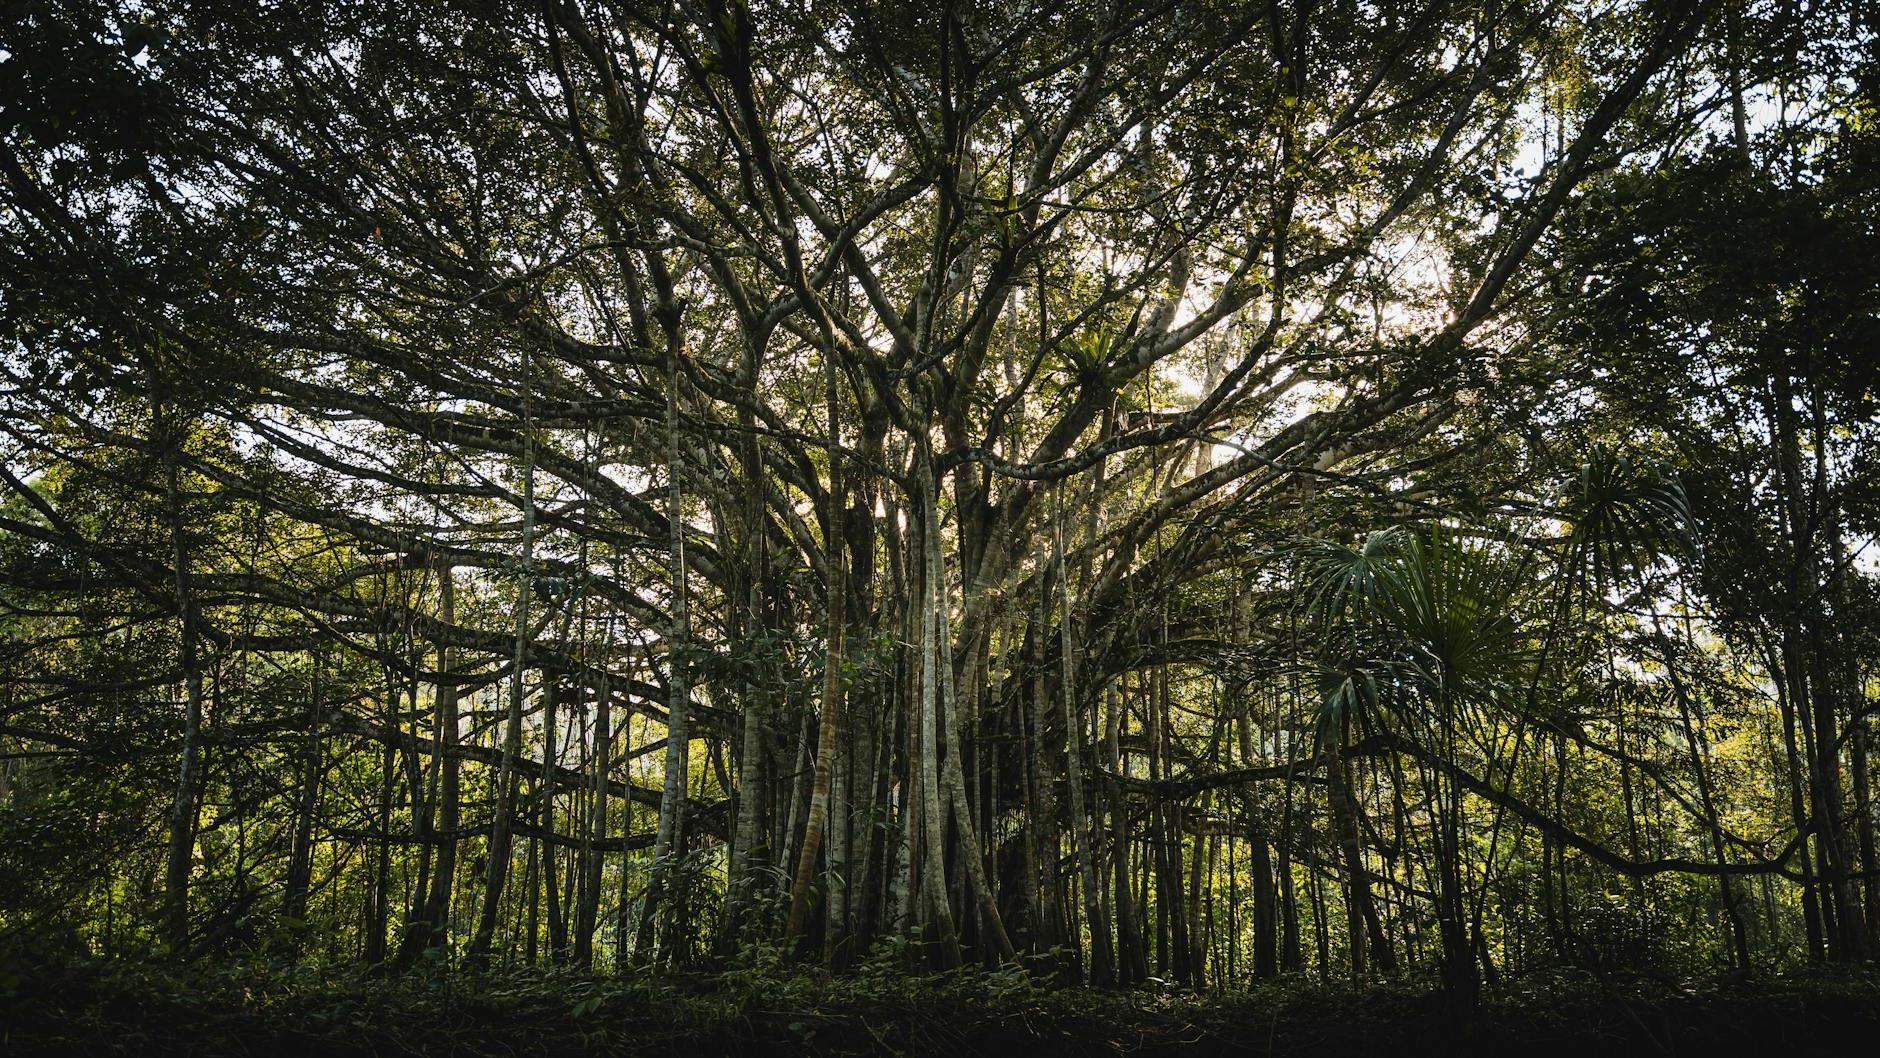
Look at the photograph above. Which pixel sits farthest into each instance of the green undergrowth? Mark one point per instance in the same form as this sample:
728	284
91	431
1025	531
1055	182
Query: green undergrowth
759	1008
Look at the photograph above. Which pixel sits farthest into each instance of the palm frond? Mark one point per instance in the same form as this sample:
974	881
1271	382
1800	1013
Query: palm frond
1625	515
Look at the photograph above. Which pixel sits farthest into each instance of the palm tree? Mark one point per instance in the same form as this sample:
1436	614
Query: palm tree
1420	624
1425	631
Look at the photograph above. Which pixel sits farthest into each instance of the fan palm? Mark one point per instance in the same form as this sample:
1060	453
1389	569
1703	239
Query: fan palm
1438	604
1426	623
1625	515
1422	621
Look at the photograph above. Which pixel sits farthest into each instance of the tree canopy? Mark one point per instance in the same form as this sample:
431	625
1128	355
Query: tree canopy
1151	491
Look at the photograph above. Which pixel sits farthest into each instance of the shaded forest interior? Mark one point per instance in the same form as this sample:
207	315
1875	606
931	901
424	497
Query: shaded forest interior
1179	497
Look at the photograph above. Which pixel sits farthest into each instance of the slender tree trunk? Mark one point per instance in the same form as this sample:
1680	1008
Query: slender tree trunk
1132	964
1102	964
432	928
593	861
747	836
1828	690
300	860
971	854
1792	677
557	923
1041	812
1862	778
379	897
1265	906
508	775
672	801
1344	818
1700	751
829	726
836	854
939	915
623	948
1461	983
180	859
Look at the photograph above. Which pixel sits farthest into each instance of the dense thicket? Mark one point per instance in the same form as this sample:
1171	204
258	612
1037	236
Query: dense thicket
1191	491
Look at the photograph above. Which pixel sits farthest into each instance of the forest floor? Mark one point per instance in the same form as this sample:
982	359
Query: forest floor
275	1011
